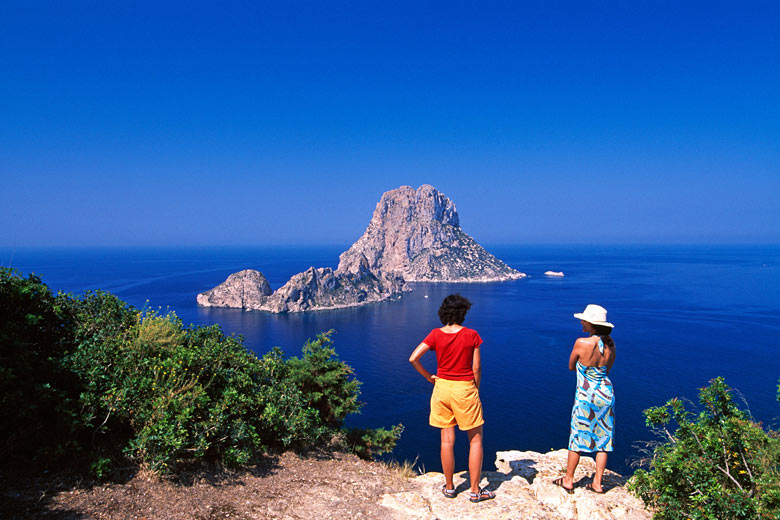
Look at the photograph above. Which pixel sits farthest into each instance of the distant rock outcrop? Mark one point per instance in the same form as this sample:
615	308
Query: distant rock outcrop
417	234
524	489
414	236
240	290
554	273
314	289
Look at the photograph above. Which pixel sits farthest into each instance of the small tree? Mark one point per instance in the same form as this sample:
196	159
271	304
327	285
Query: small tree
718	464
328	386
326	382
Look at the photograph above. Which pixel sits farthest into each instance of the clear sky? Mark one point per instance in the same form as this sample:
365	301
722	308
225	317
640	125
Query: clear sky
232	123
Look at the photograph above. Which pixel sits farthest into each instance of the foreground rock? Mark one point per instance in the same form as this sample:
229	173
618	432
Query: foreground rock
524	489
416	234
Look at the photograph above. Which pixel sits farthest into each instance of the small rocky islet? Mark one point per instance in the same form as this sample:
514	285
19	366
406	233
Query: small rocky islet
413	236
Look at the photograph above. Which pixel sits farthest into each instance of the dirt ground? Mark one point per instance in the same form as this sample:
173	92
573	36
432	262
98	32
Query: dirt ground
337	486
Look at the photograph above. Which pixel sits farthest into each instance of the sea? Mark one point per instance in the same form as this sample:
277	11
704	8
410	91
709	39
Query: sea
683	315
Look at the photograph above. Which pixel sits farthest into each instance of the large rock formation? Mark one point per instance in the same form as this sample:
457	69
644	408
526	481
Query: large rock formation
524	489
414	235
417	234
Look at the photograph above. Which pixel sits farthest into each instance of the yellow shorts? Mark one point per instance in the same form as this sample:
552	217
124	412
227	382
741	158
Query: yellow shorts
455	402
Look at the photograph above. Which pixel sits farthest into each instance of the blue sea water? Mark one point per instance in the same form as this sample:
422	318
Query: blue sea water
683	315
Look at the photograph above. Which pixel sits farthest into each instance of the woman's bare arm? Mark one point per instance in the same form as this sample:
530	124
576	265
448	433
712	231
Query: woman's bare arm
476	367
414	359
576	351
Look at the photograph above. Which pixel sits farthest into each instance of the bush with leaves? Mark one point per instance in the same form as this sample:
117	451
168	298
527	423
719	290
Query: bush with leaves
718	464
328	386
38	395
93	374
171	394
368	443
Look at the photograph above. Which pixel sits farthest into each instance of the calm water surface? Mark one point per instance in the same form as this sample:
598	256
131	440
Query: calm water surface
683	315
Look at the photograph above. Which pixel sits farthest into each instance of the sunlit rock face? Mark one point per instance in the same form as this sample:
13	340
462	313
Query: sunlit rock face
239	290
416	234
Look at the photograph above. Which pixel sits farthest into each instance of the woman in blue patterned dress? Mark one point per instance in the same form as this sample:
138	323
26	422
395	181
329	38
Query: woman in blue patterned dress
592	417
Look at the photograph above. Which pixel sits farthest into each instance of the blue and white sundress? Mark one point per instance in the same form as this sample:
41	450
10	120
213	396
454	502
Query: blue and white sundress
592	417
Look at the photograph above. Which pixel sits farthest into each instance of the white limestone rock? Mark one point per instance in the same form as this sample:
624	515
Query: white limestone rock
554	273
524	489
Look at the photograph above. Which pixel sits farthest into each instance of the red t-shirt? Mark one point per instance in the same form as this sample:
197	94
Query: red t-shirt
454	352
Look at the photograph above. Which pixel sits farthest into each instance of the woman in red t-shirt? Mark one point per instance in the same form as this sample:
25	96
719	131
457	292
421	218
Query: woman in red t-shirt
455	399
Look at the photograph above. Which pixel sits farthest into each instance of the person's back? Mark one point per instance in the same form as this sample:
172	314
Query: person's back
592	417
454	347
455	399
593	352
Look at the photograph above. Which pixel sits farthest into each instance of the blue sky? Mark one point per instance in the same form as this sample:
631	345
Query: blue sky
231	123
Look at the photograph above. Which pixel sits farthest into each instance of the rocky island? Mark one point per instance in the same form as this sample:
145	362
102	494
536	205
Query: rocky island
413	236
417	234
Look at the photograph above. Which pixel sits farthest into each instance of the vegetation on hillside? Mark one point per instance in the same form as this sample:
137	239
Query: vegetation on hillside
93	379
714	465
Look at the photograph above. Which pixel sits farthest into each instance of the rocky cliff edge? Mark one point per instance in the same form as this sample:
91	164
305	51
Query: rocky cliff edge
524	489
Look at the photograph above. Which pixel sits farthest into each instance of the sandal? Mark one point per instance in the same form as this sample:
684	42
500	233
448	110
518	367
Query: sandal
559	482
590	487
483	494
449	493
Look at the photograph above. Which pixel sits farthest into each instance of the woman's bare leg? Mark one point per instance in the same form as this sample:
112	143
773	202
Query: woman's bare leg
571	464
601	464
475	457
448	455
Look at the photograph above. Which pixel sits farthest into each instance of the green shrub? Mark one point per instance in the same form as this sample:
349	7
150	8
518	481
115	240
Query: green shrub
327	383
718	464
176	394
96	379
369	443
38	395
328	386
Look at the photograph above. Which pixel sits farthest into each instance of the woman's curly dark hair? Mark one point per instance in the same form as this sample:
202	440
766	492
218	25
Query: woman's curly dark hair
453	309
604	332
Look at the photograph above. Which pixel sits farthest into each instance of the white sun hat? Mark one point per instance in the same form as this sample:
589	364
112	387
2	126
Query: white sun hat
594	314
